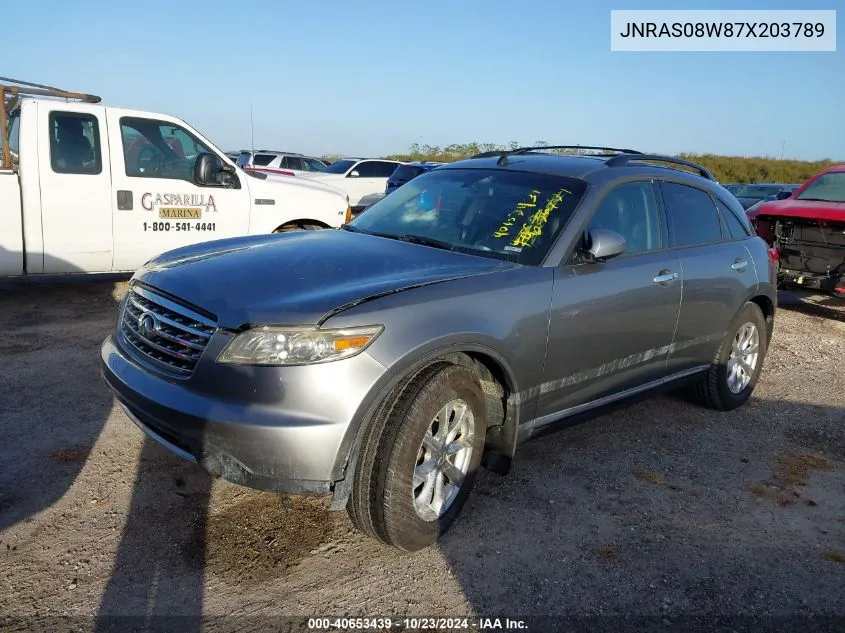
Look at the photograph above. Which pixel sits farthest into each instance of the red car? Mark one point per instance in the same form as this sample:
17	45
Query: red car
807	232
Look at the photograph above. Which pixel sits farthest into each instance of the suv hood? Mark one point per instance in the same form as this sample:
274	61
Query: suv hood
802	209
302	276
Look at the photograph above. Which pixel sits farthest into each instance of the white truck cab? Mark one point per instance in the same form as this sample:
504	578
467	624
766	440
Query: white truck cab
88	188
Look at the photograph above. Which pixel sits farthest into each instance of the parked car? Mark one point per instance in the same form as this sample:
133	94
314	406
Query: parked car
276	162
363	179
408	171
384	363
91	188
751	194
784	193
808	232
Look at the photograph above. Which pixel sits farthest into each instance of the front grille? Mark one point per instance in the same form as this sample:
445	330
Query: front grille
163	332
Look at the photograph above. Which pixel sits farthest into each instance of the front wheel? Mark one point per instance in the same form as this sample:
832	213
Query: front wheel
418	463
736	368
297	227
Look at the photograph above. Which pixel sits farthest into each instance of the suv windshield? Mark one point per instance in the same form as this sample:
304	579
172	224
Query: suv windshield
340	167
827	187
493	213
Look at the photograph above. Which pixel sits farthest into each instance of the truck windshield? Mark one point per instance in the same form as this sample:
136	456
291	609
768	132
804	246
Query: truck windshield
827	188
500	214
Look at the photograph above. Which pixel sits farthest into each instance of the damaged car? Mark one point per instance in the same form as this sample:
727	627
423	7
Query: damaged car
807	233
482	304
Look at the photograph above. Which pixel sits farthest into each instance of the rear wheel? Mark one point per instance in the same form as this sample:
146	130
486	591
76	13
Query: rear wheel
419	460
736	367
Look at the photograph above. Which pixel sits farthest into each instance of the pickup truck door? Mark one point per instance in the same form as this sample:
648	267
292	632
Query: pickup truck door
157	205
74	178
11	229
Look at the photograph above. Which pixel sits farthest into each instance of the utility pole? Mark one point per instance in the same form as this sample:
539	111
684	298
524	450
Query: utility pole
781	150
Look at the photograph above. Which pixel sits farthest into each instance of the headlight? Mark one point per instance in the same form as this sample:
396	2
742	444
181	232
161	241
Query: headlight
296	345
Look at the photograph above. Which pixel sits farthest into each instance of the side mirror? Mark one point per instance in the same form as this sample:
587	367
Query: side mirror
783	195
353	174
603	244
206	169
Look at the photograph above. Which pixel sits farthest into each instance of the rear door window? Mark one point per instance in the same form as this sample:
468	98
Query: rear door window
294	162
691	215
384	169
75	143
366	169
262	160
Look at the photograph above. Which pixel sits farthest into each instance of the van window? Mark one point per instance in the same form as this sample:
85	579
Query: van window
158	149
75	143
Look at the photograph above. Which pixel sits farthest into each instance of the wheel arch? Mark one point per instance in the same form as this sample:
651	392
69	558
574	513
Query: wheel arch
298	224
498	384
767	306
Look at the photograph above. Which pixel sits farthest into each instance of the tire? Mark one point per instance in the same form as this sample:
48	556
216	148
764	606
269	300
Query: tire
382	500
287	228
716	390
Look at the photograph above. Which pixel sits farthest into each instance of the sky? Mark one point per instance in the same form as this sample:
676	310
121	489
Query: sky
372	77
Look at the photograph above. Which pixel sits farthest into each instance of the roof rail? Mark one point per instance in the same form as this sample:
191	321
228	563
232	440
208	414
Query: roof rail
524	150
11	91
624	159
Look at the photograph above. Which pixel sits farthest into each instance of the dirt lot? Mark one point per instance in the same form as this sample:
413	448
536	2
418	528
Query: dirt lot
662	509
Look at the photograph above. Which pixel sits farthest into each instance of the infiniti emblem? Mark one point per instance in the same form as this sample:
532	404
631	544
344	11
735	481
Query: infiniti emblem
148	325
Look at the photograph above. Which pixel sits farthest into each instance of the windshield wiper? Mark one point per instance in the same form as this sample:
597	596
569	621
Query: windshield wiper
426	241
350	228
816	199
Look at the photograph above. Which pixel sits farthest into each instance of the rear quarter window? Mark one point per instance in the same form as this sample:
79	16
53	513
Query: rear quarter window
691	215
735	227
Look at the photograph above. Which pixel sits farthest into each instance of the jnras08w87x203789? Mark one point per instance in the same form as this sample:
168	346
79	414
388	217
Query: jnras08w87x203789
480	305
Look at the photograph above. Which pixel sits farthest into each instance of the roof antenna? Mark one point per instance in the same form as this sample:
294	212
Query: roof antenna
251	130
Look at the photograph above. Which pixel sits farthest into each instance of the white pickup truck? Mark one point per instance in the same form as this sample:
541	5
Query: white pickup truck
87	188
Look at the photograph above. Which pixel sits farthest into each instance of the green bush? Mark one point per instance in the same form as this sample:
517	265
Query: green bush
727	169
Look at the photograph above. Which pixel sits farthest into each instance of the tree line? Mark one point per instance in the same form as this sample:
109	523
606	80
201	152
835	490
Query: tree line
727	169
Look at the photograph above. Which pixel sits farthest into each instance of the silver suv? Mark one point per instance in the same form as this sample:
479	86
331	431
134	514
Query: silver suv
482	304
276	162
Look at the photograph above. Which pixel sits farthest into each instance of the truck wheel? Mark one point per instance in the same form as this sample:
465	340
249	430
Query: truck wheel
736	367
297	227
418	462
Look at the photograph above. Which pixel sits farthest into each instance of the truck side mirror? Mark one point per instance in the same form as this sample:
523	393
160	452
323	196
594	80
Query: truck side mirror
207	168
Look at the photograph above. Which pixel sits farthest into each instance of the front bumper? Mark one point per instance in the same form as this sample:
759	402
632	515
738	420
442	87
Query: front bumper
285	430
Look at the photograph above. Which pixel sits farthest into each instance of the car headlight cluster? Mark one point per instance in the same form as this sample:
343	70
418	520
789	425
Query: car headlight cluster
269	345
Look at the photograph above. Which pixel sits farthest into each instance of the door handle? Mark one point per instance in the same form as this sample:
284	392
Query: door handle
665	276
740	265
124	200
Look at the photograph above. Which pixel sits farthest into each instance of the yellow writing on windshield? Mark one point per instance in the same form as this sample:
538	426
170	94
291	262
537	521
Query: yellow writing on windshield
532	229
519	211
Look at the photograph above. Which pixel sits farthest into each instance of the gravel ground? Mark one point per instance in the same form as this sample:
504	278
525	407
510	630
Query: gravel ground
662	509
